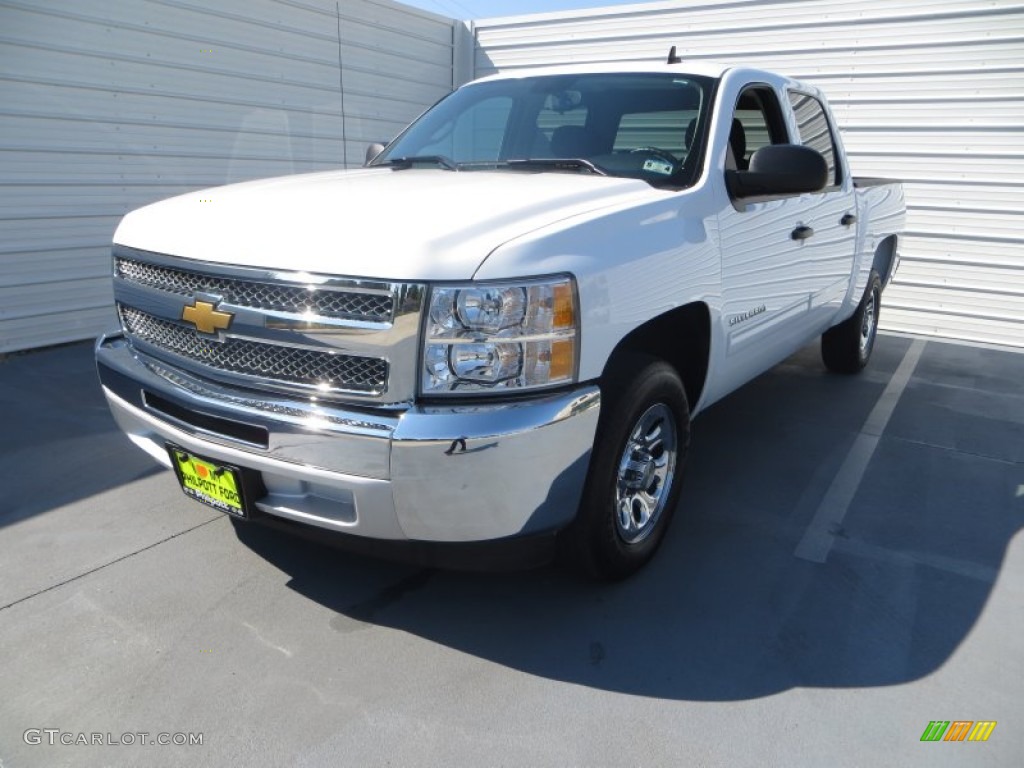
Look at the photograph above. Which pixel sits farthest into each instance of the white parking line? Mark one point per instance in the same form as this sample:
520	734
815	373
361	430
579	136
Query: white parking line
828	518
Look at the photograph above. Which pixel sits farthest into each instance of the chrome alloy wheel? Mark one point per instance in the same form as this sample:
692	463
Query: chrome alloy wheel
868	323
646	470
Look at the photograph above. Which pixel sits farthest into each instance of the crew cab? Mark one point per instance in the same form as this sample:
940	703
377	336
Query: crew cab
498	332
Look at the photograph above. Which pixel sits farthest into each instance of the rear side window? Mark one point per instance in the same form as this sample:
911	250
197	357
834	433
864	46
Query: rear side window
815	131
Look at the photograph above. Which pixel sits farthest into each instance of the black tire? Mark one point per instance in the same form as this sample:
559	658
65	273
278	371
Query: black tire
642	395
846	348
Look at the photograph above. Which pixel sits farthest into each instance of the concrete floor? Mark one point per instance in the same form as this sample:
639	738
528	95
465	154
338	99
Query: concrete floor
126	608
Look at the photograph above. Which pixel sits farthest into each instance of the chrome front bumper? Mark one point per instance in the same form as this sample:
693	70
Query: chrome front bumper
459	473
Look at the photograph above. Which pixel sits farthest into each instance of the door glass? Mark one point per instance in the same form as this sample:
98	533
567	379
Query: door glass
815	131
757	122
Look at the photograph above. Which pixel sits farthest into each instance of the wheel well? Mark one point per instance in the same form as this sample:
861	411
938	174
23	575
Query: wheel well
884	256
681	337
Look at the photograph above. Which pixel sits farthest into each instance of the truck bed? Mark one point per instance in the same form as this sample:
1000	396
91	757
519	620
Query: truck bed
872	181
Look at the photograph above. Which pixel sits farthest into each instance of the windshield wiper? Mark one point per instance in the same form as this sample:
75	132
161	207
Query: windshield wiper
557	163
401	163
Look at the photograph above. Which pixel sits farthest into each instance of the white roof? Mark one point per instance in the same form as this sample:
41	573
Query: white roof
703	68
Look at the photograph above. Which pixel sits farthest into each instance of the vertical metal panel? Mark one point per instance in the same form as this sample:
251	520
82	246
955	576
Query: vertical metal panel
108	105
930	91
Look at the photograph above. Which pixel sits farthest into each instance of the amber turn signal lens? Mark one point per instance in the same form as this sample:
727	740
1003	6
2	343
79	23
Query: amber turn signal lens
561	359
564	315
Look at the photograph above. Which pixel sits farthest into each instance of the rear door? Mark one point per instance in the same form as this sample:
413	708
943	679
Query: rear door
828	255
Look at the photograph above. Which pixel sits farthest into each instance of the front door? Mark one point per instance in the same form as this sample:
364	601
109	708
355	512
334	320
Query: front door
782	259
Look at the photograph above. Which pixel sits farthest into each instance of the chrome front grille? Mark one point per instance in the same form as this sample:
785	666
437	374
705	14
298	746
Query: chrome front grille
274	363
296	299
299	334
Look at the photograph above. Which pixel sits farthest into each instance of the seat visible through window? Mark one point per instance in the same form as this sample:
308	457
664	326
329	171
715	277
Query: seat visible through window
568	141
738	145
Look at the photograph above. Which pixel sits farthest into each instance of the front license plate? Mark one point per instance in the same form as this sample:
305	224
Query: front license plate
218	485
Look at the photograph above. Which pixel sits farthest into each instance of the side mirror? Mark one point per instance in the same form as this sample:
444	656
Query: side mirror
372	151
780	169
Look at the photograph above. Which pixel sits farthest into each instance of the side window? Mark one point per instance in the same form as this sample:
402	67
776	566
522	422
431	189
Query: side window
815	131
757	122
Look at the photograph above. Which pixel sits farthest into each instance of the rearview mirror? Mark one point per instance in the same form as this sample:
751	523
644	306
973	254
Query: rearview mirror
780	169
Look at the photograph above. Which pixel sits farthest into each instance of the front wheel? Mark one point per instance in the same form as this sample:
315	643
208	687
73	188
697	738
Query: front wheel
635	473
847	347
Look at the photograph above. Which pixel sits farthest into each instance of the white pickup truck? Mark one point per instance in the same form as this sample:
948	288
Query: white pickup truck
492	339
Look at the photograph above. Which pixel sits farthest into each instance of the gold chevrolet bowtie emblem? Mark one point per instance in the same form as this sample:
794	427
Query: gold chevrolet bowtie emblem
205	318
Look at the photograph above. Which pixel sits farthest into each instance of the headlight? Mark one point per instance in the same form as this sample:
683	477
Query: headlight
491	337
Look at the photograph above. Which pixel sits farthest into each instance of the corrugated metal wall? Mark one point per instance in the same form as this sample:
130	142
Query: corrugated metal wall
930	91
106	105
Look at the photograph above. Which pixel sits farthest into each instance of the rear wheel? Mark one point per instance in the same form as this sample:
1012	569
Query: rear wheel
633	484
846	348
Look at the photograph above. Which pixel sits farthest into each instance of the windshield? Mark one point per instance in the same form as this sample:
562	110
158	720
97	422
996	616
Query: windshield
647	126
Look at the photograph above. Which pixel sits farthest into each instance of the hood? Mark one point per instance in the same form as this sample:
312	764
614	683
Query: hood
414	224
